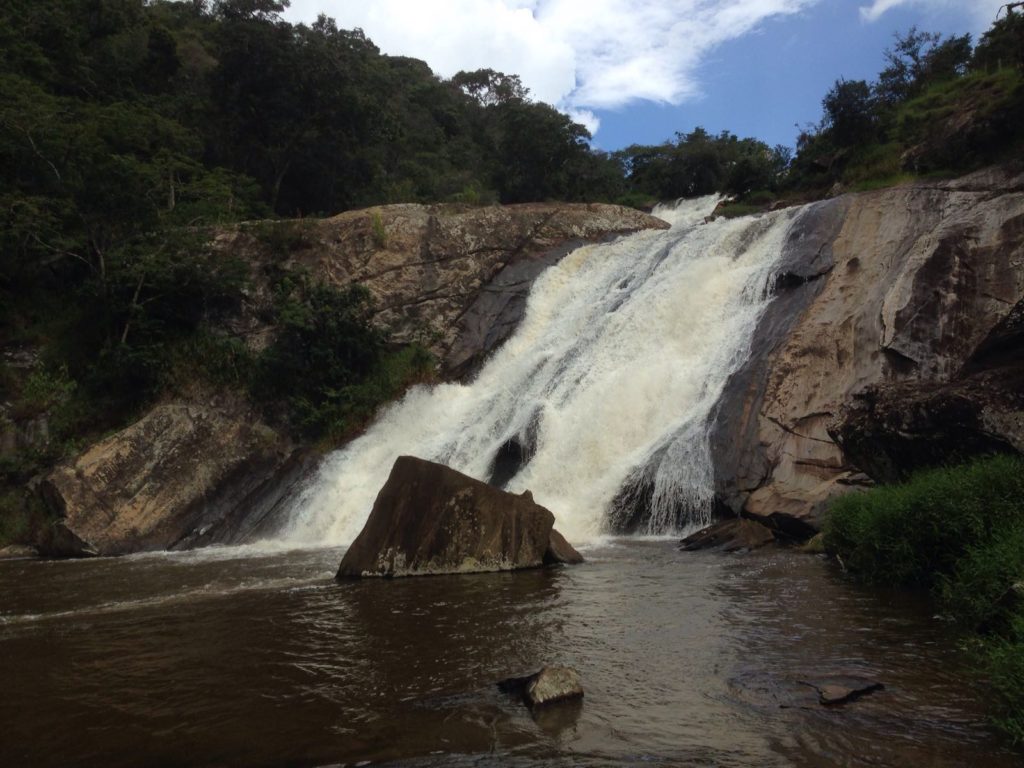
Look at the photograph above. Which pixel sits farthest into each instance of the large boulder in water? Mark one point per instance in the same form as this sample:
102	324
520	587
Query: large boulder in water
430	519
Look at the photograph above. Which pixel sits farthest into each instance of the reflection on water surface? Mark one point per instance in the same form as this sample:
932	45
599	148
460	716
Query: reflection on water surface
240	658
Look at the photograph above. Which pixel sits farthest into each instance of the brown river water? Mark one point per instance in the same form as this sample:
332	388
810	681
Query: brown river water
243	658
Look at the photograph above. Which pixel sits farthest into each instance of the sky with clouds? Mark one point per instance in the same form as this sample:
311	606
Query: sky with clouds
640	70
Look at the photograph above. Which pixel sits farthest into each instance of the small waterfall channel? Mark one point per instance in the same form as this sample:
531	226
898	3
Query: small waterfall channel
601	399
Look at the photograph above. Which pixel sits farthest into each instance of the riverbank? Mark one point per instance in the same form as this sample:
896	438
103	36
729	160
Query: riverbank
959	534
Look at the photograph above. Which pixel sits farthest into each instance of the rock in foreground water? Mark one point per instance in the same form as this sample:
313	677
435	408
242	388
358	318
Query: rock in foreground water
429	519
734	535
549	685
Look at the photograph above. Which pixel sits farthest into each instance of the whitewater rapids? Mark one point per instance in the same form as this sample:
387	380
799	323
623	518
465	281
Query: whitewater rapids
608	384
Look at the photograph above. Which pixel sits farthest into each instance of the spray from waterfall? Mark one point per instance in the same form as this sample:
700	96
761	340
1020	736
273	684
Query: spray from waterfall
601	398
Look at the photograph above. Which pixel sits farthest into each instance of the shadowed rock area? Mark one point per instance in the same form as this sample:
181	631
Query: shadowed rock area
429	519
734	535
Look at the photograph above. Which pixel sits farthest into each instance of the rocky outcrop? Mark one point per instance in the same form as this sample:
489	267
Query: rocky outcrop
548	686
452	277
898	288
732	535
891	431
560	551
183	475
429	519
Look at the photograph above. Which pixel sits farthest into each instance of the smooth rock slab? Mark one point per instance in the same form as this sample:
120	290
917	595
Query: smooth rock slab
429	519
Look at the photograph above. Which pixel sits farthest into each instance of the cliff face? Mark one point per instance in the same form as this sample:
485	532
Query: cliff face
453	278
894	289
194	473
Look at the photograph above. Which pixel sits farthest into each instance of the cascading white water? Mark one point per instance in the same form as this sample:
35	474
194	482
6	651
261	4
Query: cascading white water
608	383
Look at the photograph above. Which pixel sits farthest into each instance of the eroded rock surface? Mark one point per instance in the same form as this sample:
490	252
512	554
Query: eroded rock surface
454	278
180	476
429	519
903	287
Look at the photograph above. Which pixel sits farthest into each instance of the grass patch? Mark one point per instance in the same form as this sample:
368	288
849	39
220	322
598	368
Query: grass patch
958	532
735	210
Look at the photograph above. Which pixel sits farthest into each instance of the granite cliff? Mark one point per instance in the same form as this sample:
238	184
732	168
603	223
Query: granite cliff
210	470
896	321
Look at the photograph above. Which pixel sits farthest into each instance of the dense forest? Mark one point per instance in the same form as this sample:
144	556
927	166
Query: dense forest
131	129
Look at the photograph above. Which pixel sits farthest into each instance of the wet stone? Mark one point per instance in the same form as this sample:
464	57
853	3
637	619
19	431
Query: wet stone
548	686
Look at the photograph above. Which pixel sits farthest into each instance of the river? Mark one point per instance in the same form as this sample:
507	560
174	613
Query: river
245	657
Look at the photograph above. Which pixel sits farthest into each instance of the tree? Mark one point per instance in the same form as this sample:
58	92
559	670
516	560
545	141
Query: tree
490	88
849	112
918	59
1003	44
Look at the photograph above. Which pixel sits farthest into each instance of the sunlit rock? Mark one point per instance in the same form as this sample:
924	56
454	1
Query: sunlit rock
548	686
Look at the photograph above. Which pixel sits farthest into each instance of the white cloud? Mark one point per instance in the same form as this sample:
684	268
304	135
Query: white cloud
982	12
579	55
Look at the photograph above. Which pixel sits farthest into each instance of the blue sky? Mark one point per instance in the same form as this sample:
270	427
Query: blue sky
637	71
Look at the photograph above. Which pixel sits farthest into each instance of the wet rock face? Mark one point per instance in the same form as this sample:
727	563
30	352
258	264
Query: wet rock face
454	278
429	519
902	291
180	476
735	535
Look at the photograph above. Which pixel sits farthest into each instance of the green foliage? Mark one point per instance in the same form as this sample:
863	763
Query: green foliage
283	238
960	533
1002	45
698	163
14	517
939	106
916	532
377	231
43	391
1003	659
329	367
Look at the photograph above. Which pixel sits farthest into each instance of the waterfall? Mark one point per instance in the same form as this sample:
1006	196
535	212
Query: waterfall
601	398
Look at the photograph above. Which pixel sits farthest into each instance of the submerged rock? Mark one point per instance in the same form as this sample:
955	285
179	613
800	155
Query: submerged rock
732	535
831	694
548	686
430	519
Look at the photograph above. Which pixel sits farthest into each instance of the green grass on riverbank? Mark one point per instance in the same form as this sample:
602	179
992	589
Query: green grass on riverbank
958	532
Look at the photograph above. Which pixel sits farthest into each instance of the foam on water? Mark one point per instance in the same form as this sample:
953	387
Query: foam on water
608	383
